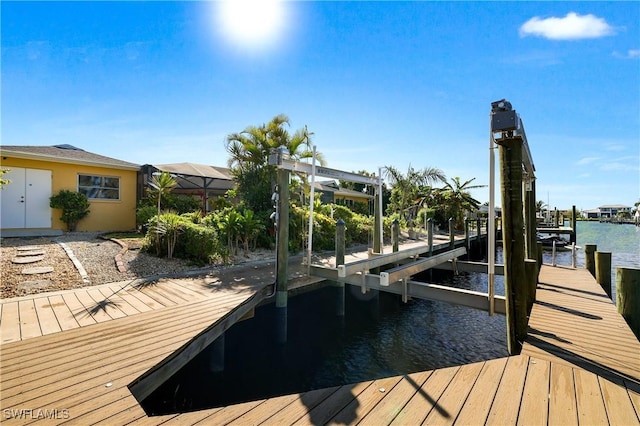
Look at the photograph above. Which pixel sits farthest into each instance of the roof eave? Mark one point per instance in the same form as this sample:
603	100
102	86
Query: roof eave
56	159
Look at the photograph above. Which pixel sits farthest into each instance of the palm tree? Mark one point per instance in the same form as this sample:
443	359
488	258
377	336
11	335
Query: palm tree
540	206
458	200
410	191
162	184
249	153
249	228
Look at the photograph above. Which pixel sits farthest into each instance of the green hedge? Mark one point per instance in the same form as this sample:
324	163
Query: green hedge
200	244
195	242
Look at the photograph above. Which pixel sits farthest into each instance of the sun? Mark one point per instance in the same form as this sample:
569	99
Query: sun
251	23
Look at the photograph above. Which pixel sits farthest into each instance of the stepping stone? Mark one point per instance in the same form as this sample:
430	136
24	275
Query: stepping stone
37	270
27	259
35	284
28	248
24	253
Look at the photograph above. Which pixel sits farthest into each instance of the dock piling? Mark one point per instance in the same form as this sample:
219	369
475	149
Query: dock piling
513	242
282	255
573	235
628	296
531	269
451	232
395	235
430	237
603	271
340	242
340	251
589	258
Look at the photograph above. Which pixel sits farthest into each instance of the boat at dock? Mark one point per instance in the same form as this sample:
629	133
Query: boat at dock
548	241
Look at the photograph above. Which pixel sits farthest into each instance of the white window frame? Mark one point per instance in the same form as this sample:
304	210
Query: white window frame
97	192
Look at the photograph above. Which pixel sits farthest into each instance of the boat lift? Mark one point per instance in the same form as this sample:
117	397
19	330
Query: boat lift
282	160
505	122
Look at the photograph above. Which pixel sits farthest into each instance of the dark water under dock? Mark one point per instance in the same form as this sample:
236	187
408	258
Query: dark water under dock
379	336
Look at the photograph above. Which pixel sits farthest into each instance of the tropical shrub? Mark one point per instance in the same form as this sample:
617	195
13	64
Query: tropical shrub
200	244
193	217
144	213
74	206
166	228
173	235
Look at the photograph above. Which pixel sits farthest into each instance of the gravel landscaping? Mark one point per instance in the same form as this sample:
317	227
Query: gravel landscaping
97	256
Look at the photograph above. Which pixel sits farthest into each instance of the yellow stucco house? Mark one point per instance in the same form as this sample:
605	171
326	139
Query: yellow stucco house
38	172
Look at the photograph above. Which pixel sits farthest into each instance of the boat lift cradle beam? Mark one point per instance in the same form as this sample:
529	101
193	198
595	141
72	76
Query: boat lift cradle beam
415	289
405	271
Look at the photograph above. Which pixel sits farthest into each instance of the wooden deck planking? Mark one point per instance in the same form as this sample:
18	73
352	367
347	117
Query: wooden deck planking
118	301
10	323
589	402
577	331
62	312
265	410
455	395
157	294
92	308
29	325
300	407
129	296
188	288
513	388
391	405
173	292
322	412
107	337
535	397
476	409
46	317
143	297
78	352
355	411
120	377
562	403
508	397
635	400
228	414
426	399
79	312
106	304
619	407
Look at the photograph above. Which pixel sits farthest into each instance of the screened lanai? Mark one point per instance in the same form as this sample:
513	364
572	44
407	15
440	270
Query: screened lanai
206	182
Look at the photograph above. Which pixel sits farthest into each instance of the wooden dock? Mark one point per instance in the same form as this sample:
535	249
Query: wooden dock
580	365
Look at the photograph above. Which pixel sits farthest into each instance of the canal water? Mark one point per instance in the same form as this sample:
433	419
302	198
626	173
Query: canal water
379	336
621	240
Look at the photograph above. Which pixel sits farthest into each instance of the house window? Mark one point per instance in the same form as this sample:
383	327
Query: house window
99	187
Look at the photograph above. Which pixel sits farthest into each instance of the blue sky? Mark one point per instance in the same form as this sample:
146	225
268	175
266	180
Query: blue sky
378	83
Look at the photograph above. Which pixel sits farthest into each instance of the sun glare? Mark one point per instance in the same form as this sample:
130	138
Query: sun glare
251	23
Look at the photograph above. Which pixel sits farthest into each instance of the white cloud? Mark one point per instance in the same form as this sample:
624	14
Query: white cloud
622	164
587	160
615	147
631	54
571	27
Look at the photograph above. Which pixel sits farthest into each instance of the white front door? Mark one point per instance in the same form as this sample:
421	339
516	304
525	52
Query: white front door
24	202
